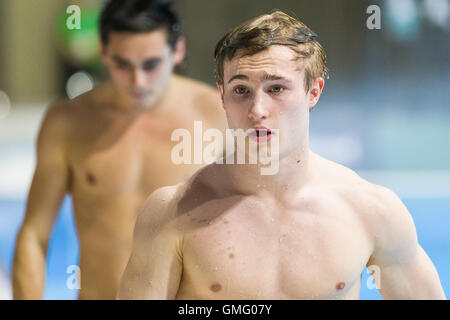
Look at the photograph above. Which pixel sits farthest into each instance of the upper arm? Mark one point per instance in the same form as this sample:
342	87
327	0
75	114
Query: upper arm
51	176
155	266
405	270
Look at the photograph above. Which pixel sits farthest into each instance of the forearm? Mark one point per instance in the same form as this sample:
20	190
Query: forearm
28	273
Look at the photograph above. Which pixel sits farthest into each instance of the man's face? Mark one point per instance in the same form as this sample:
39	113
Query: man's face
140	64
267	89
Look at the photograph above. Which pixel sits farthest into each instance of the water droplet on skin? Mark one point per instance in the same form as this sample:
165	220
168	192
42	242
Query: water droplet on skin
258	185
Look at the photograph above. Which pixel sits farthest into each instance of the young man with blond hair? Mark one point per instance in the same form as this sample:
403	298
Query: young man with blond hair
306	232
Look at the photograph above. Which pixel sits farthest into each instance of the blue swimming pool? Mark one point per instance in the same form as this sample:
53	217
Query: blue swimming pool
431	216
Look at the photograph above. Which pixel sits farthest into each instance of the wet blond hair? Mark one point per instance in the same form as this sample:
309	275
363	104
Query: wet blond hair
267	30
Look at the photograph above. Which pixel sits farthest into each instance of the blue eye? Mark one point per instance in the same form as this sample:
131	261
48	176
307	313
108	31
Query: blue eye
240	90
277	89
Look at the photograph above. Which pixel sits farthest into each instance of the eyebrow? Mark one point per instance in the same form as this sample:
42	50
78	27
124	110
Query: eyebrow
120	59
266	77
151	61
146	61
238	76
269	77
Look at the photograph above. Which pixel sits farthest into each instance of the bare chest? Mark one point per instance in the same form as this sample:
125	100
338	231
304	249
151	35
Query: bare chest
120	157
246	253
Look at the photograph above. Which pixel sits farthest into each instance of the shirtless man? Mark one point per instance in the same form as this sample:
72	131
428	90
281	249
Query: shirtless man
306	232
111	147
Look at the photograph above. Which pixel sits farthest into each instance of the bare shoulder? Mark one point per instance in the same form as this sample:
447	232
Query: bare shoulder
383	213
57	115
387	218
159	205
204	98
375	203
75	113
196	88
384	216
175	204
57	123
68	110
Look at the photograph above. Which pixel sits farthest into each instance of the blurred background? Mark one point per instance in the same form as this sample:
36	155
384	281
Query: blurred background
385	110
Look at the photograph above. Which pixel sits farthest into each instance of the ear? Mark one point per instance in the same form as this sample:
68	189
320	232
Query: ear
315	91
179	50
220	87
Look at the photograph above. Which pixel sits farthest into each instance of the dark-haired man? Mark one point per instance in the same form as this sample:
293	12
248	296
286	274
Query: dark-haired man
111	147
304	232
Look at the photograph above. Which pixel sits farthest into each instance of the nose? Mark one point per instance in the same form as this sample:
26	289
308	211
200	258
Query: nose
137	77
258	111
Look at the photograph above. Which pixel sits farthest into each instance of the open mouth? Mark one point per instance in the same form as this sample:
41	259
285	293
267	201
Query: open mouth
259	134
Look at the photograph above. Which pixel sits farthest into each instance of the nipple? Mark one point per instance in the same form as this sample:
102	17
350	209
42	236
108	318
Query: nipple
216	287
90	178
340	285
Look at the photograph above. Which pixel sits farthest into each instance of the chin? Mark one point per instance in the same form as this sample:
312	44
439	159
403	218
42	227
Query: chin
145	104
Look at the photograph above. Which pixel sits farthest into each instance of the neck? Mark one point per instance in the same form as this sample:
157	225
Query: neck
294	172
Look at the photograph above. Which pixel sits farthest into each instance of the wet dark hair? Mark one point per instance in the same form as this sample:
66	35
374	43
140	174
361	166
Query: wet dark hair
139	16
